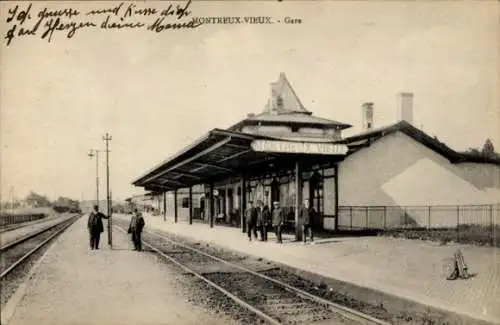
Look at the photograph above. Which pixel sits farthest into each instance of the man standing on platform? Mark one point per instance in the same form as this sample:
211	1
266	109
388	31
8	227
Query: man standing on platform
95	227
307	215
251	216
135	228
278	218
263	220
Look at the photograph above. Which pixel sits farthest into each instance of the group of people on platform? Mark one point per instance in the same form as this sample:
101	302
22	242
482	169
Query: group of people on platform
259	218
95	227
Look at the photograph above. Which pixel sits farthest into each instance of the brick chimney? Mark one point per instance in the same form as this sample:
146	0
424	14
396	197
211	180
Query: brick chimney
405	107
367	116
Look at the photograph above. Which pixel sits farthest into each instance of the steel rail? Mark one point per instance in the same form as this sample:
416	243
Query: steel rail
25	256
339	309
15	226
239	301
342	310
29	236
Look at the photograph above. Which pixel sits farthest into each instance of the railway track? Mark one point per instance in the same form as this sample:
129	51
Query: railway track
10	227
267	297
20	250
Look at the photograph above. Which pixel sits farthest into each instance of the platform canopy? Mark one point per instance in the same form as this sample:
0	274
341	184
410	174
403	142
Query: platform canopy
222	154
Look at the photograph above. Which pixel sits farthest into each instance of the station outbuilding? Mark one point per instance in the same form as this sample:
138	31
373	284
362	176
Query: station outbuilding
393	176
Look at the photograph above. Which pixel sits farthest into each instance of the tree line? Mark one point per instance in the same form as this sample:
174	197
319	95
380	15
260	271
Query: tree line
35	200
488	150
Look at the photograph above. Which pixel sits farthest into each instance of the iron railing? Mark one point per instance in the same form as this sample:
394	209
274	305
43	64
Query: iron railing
417	217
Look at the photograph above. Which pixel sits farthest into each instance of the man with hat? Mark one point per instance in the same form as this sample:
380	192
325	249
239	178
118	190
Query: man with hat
95	227
135	228
307	213
251	219
278	218
263	219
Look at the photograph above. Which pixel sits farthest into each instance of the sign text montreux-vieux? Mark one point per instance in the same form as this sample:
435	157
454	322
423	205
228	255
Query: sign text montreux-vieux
299	147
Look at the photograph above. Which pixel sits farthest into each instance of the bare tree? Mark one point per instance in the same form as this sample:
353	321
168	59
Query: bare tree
37	200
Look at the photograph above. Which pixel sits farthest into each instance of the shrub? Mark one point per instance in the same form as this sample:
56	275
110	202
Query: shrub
465	234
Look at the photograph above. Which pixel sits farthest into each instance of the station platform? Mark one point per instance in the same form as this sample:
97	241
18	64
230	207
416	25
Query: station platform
75	285
414	270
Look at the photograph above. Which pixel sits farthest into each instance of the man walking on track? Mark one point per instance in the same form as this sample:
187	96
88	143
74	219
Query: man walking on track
95	227
135	228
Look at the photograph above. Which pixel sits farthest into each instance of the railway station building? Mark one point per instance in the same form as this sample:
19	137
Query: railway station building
287	154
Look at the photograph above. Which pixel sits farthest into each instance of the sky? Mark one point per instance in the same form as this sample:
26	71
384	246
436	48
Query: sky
157	92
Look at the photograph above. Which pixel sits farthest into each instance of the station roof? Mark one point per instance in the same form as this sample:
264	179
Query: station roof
301	119
364	139
218	154
222	153
226	153
284	98
284	107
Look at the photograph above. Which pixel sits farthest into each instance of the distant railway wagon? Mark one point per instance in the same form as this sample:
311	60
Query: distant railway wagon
70	209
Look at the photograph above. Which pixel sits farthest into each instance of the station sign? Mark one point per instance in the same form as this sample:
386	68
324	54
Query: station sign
313	148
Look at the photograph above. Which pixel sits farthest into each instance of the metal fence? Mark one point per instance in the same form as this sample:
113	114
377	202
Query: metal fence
9	219
417	217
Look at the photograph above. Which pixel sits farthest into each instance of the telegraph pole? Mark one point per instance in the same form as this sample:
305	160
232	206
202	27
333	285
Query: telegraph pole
92	153
108	138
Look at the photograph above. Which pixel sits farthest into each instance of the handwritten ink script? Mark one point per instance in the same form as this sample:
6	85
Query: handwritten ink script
24	21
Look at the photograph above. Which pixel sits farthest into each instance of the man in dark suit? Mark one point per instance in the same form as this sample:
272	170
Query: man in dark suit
135	228
263	220
278	217
95	227
251	219
308	215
